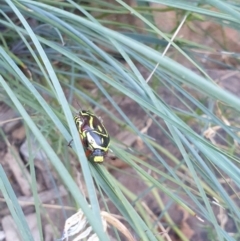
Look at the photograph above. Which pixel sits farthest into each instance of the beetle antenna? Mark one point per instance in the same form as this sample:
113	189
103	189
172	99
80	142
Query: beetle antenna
79	106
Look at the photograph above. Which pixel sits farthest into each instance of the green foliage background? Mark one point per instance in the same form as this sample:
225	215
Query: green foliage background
64	43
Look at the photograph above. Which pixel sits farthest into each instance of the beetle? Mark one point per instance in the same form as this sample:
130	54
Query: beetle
93	134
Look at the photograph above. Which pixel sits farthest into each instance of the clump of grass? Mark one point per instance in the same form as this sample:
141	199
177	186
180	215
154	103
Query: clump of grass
55	53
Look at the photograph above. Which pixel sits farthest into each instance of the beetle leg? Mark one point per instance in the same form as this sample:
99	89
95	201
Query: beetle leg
70	142
88	153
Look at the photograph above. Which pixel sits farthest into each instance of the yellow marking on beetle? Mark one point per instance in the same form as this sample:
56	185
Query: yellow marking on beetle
83	134
99	128
91	122
78	122
98	159
100	133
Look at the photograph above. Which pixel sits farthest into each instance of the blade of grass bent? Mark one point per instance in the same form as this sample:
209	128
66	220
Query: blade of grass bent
122	203
167	65
225	8
98	50
175	133
37	202
35	93
72	187
14	206
68	114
